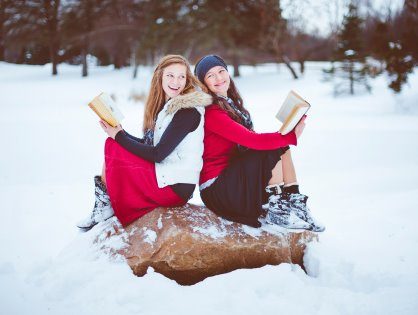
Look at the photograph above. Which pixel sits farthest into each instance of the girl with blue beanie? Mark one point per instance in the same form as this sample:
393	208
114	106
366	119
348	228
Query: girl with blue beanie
244	172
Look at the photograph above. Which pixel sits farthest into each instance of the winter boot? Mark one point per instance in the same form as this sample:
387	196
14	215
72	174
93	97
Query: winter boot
102	208
297	204
279	211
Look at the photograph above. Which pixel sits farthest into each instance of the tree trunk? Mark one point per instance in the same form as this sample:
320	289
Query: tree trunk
53	47
84	62
302	66
53	55
4	4
235	61
51	16
88	22
289	66
21	56
134	63
2	49
2	33
351	76
54	67
135	71
117	63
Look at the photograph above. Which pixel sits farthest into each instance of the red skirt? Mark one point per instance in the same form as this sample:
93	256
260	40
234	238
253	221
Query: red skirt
132	184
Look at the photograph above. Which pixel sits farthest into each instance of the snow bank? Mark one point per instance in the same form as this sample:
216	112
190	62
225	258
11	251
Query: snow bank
357	160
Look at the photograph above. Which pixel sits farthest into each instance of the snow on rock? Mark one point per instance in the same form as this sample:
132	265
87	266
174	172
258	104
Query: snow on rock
193	244
160	223
150	236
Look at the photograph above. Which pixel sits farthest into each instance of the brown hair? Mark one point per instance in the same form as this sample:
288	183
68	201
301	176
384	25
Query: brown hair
233	94
156	96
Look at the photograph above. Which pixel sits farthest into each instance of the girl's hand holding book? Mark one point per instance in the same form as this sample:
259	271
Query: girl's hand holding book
299	127
111	131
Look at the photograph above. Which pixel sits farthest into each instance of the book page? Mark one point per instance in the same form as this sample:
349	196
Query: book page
104	106
292	110
289	103
111	105
293	119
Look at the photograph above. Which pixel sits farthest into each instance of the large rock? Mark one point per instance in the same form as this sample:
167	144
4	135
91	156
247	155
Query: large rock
190	243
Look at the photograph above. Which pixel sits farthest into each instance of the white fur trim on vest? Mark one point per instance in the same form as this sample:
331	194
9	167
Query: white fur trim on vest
184	164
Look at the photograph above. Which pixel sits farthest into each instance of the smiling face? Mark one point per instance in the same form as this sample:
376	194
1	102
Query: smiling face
217	80
174	80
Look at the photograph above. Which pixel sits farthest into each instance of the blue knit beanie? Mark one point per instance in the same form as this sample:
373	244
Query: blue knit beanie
206	63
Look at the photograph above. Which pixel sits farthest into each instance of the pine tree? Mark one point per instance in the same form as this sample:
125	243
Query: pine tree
351	66
398	65
379	40
350	37
402	54
79	20
229	27
50	15
4	4
32	26
410	28
163	29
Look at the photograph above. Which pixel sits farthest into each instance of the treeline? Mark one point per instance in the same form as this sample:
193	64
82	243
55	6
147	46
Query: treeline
134	32
367	46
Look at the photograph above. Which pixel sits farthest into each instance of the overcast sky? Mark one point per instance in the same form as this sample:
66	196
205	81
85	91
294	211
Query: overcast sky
320	15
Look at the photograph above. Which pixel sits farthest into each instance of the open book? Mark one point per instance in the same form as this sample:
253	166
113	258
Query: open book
291	112
104	106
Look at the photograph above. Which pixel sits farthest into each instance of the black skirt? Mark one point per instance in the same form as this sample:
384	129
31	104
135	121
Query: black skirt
239	192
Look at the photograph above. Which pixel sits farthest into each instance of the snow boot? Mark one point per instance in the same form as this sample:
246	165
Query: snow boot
297	204
102	209
279	211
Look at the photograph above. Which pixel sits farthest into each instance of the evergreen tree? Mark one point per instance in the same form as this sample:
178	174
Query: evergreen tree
163	27
350	66
79	19
398	65
4	4
402	52
50	16
228	27
409	35
110	30
118	30
32	27
350	36
378	45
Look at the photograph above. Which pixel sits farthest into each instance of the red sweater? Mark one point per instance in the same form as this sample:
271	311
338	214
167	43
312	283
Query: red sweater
223	134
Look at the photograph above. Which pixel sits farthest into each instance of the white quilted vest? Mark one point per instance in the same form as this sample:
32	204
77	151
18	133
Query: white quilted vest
184	164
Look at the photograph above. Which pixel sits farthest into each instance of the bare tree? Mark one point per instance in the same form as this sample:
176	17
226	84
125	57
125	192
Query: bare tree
303	38
275	35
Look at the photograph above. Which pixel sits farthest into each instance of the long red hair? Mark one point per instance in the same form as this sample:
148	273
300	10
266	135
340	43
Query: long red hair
156	96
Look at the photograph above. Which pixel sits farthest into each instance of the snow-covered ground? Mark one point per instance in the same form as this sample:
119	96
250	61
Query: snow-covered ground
357	160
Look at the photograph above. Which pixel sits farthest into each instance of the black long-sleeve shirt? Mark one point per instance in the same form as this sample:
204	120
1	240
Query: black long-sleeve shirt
183	122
